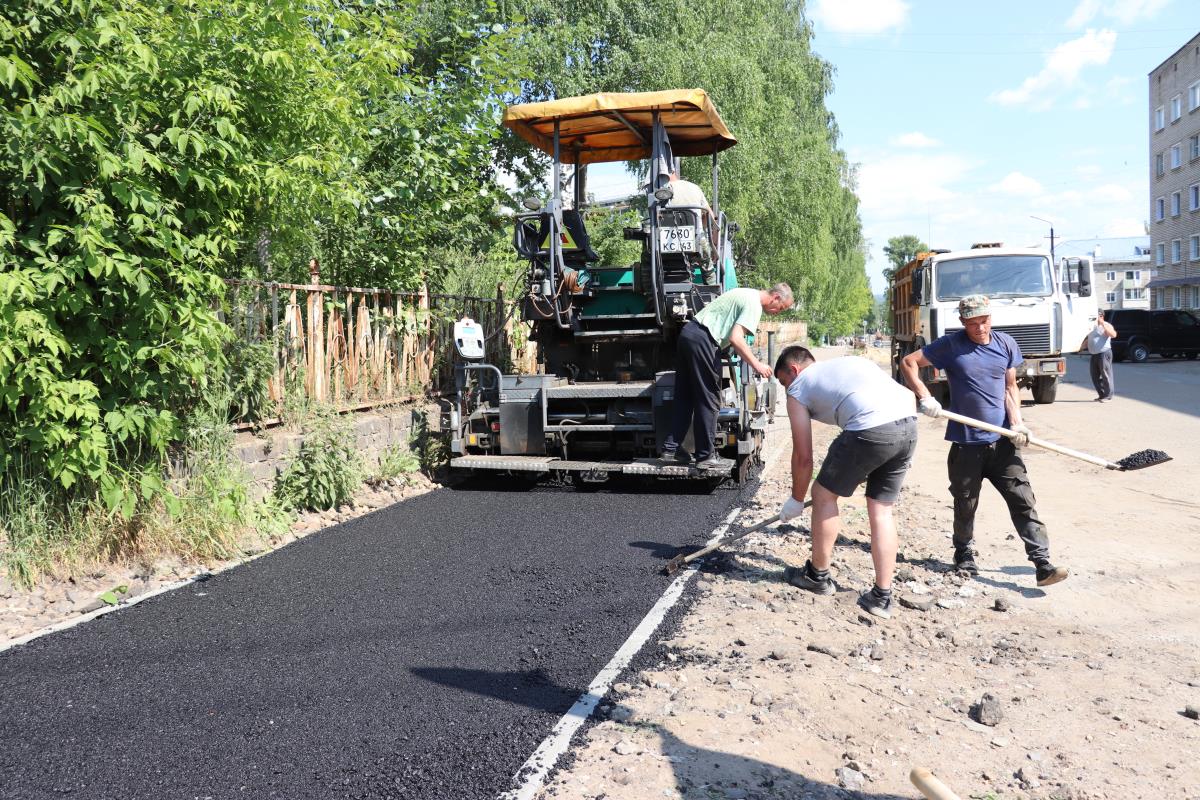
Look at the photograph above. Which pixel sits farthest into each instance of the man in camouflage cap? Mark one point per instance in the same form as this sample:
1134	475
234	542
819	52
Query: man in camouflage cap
980	365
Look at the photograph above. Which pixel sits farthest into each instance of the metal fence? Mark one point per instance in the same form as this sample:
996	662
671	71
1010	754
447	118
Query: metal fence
356	348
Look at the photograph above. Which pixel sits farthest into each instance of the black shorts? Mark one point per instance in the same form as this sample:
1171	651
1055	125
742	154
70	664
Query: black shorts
879	456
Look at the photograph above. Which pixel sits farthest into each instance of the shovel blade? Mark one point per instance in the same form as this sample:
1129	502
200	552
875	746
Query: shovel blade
1150	464
1143	459
675	564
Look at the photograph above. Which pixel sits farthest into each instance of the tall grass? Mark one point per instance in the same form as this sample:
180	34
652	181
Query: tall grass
208	513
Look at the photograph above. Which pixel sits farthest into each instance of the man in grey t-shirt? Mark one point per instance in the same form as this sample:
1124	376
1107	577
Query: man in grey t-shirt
878	419
1099	346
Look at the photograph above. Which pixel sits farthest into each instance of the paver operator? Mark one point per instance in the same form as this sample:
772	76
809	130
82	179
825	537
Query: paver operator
878	418
724	322
980	364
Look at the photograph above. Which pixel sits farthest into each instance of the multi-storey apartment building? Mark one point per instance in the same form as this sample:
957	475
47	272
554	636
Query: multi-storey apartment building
1175	179
1121	268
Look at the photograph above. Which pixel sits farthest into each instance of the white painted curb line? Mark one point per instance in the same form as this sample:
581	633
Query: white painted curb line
532	774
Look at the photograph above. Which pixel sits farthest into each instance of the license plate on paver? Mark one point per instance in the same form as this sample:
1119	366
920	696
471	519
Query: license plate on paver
677	240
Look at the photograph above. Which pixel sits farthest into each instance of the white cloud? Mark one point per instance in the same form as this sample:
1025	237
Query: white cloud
1061	70
1123	11
914	139
1124	226
1016	184
861	16
885	185
1089	170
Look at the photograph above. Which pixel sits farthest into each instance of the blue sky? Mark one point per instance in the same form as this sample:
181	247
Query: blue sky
965	118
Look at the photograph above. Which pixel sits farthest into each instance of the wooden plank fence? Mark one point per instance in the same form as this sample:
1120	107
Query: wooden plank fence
358	347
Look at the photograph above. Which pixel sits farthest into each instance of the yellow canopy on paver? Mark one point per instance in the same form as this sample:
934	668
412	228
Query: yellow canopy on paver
618	126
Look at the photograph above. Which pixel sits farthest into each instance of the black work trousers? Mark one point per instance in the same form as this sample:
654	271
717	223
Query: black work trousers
1001	464
697	390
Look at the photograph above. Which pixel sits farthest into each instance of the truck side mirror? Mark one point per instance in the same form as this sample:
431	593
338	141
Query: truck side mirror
1085	277
918	284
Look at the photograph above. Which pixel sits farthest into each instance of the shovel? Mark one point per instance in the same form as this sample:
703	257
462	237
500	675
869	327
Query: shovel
680	561
1138	460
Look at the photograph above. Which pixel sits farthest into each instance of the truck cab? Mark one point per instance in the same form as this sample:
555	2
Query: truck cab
1029	299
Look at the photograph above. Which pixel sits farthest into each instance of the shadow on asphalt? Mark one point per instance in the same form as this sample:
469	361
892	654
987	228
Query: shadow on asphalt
696	768
532	688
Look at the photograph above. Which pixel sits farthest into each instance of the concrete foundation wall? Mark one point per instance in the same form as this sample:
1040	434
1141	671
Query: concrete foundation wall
267	454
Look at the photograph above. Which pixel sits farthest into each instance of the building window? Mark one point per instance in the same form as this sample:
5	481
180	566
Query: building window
1133	275
1196	297
1158	165
1194	147
1133	294
1175	251
1194	96
1159	250
1110	297
1174	204
1177	155
1110	276
1175	297
1160	119
1176	107
1195	248
1160	208
1194	197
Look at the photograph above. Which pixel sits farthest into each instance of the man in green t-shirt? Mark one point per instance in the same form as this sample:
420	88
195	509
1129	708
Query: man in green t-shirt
722	323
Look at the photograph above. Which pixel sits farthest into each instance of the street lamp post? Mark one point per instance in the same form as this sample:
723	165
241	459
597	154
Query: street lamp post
1051	224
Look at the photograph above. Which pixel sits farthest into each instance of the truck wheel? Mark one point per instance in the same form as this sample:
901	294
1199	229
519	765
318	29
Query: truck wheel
1138	353
1045	389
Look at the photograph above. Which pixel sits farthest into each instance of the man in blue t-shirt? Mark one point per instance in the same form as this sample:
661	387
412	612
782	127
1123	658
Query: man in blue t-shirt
980	365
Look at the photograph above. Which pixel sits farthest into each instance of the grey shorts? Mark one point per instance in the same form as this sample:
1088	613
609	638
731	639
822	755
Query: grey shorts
879	456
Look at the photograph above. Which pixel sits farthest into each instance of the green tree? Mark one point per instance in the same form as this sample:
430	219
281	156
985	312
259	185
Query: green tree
900	250
427	176
147	148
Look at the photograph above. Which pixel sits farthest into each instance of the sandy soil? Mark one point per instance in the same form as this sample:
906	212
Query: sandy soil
769	692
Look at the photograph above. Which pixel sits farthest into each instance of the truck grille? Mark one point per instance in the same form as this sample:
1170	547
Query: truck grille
1032	339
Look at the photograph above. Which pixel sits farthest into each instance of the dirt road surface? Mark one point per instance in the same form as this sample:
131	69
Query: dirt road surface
764	691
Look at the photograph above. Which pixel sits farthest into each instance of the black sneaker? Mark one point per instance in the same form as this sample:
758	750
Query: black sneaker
801	578
1048	574
875	603
964	562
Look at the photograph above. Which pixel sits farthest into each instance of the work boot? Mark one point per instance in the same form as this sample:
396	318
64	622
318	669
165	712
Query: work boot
809	579
964	562
676	456
876	602
1048	574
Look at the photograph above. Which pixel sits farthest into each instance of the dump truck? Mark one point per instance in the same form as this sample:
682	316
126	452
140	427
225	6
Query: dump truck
601	401
1046	307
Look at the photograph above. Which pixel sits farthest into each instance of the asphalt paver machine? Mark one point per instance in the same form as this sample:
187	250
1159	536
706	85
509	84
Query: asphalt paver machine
605	333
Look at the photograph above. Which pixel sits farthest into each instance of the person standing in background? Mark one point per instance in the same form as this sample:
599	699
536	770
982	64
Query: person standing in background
1099	346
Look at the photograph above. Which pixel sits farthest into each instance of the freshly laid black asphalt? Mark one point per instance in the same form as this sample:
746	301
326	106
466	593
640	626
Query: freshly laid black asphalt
422	651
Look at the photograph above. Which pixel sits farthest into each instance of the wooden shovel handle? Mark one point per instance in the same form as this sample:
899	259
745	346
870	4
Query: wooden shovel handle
930	786
1033	440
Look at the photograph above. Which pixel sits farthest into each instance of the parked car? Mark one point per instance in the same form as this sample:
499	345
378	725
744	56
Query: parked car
1170	333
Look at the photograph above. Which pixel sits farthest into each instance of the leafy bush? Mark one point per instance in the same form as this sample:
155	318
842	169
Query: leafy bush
396	461
326	468
250	365
143	148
